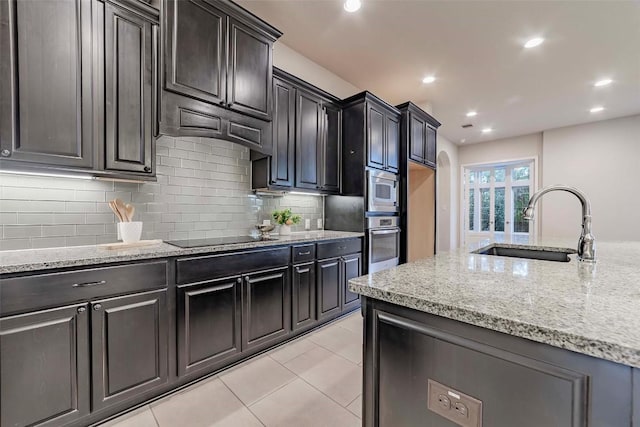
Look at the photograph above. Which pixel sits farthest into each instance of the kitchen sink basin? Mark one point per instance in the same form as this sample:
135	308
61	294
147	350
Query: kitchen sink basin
530	252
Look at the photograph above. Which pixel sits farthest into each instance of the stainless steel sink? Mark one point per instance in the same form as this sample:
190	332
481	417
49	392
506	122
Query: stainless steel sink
530	252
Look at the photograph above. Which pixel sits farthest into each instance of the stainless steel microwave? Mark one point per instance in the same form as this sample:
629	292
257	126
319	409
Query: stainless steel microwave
382	192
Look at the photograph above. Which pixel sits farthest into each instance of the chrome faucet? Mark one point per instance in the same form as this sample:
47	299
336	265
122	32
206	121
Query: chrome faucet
586	244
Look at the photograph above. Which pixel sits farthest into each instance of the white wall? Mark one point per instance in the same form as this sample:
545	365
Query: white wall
300	66
603	160
520	147
447	218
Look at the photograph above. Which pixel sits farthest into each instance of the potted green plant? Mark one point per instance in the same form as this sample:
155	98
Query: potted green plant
286	219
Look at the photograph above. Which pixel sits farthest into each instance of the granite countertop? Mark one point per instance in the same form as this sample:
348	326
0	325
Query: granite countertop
42	259
592	309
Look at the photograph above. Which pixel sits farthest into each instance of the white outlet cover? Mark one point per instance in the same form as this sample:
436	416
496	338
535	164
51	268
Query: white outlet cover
307	224
319	224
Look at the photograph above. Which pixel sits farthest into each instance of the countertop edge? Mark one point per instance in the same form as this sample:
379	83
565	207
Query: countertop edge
588	346
162	250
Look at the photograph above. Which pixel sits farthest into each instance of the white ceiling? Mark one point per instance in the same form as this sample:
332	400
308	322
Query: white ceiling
474	48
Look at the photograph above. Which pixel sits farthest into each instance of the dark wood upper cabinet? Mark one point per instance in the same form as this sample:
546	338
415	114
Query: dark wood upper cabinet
418	135
76	86
218	73
45	367
46	87
129	50
371	137
196	50
250	71
209	324
266	307
309	128
129	340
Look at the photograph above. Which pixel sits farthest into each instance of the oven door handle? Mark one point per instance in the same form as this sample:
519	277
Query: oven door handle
395	230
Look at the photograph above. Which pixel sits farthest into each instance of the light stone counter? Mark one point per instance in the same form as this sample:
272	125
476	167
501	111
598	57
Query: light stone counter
594	310
43	259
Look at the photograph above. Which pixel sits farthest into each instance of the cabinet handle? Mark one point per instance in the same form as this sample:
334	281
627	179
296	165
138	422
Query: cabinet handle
304	253
222	103
81	309
238	280
5	153
97	306
247	279
87	284
147	169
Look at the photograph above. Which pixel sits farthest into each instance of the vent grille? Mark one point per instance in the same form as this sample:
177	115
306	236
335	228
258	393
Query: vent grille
468	125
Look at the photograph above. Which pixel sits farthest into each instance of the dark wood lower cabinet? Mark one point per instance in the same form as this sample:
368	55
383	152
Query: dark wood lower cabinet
209	319
44	367
328	288
352	268
129	340
266	307
303	293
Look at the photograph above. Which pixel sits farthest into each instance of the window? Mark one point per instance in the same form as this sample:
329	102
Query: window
495	196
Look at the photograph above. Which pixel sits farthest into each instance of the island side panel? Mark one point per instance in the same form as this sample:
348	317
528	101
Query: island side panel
518	380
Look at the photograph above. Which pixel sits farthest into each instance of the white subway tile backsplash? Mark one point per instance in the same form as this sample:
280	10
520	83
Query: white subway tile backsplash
203	190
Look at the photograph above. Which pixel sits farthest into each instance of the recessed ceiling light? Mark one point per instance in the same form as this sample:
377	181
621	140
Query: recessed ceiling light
603	82
429	79
463	140
596	109
487	130
352	5
536	41
472	113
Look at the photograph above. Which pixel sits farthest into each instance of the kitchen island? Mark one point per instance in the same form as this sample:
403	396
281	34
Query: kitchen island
470	339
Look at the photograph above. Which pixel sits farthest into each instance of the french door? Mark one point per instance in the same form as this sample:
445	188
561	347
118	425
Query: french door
494	197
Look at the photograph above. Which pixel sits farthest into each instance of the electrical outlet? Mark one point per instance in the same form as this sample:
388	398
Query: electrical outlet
319	224
461	409
307	224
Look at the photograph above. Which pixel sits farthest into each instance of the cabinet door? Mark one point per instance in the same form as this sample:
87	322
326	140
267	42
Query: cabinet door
352	268
328	284
331	150
129	343
209	318
392	143
417	139
266	307
196	50
46	114
375	137
431	147
308	144
44	367
249	77
128	84
284	127
304	295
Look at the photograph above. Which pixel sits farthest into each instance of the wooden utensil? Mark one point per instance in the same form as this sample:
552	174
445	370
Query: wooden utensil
115	210
129	210
122	209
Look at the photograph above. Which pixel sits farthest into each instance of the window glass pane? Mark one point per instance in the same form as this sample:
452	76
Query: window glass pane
520	173
484	177
485	209
520	201
472	176
500	174
499	209
472	209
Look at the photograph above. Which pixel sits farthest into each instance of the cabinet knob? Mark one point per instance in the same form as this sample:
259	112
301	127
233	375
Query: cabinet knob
147	169
238	280
221	102
81	309
5	153
97	306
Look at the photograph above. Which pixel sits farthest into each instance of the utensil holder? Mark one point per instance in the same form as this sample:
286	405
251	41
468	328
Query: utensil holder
130	232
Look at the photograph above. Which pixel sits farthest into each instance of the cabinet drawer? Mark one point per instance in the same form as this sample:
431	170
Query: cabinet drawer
47	290
303	253
197	269
339	248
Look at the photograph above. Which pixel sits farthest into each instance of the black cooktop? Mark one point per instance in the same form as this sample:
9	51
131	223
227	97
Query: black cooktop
216	241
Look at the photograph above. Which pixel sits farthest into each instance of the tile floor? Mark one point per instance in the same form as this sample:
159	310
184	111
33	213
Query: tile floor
313	381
